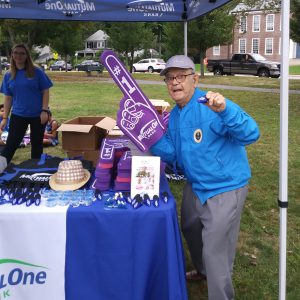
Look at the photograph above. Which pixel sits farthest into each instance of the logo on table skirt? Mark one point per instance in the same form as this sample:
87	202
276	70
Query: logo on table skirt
198	135
36	177
16	273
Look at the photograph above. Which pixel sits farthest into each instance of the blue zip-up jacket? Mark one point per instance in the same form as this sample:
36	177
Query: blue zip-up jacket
209	147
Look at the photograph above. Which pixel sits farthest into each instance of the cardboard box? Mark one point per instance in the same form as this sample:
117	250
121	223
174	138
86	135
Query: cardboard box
85	133
116	132
91	155
160	105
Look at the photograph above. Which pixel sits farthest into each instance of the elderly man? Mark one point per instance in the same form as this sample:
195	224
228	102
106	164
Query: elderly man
206	139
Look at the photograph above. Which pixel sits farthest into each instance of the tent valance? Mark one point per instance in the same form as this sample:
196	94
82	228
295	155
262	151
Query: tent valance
110	10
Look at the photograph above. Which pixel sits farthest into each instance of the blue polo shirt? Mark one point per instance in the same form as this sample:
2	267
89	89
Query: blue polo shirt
27	97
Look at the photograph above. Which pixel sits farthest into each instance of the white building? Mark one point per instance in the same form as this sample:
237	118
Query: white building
97	41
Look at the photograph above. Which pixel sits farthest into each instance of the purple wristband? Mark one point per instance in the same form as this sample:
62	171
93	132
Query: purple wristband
202	99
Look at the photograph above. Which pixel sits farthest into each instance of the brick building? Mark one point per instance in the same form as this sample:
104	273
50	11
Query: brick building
256	31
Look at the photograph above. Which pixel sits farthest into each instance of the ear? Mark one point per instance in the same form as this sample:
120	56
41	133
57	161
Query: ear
196	79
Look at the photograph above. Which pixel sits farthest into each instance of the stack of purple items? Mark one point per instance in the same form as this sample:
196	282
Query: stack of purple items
110	152
104	168
123	179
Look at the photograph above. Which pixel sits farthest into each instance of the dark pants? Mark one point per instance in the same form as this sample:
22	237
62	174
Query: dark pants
17	129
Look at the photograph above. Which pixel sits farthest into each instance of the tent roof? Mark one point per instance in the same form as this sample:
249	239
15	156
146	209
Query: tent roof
108	10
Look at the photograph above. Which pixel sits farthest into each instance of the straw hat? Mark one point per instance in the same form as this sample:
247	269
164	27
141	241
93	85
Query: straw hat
70	176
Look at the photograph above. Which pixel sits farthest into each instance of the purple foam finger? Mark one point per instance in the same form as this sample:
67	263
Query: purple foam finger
125	161
122	186
166	116
107	153
139	123
99	172
102	186
137	117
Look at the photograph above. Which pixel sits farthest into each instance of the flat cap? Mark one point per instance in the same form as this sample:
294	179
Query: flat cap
178	61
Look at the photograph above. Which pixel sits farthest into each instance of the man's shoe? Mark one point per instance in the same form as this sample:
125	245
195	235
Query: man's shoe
194	275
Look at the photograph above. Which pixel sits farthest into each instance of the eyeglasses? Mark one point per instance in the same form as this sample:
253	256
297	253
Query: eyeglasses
179	78
19	53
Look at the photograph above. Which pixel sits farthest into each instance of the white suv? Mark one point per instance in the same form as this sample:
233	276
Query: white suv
149	65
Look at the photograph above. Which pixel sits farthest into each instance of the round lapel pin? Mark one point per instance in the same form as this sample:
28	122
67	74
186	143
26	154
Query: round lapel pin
198	135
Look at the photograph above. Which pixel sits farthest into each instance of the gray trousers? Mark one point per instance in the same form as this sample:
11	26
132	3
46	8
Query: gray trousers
211	231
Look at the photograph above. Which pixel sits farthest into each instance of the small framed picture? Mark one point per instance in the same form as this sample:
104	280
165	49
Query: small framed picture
145	175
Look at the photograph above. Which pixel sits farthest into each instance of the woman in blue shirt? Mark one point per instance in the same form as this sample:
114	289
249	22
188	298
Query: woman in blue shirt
26	95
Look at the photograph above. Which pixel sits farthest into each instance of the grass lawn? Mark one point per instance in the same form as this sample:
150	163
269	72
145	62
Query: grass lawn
295	70
256	265
244	81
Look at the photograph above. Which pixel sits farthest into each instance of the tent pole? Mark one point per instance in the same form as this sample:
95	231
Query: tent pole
185	37
283	169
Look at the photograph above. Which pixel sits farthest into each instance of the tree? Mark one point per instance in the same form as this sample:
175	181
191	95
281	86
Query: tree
268	5
29	32
126	38
207	31
212	29
174	38
295	21
158	33
68	36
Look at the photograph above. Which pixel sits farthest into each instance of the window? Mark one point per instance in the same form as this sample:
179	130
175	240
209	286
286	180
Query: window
216	50
270	23
256	24
89	45
255	46
243	24
269	46
100	44
242	45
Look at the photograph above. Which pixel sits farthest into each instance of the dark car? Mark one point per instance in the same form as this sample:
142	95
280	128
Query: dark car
244	63
89	65
5	65
60	65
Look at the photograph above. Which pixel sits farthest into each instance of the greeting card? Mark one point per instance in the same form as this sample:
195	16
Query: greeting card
145	175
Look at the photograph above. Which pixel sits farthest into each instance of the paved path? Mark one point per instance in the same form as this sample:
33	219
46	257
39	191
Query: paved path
225	87
240	88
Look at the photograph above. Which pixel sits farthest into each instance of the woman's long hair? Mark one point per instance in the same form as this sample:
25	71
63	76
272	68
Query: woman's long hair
29	66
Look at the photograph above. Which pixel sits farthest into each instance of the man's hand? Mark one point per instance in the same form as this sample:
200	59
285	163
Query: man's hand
216	101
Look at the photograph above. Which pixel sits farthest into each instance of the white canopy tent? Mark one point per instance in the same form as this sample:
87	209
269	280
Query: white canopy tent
171	11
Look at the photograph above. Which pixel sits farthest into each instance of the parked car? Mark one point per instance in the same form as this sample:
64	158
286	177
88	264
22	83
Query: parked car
149	65
5	65
60	65
244	63
89	65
